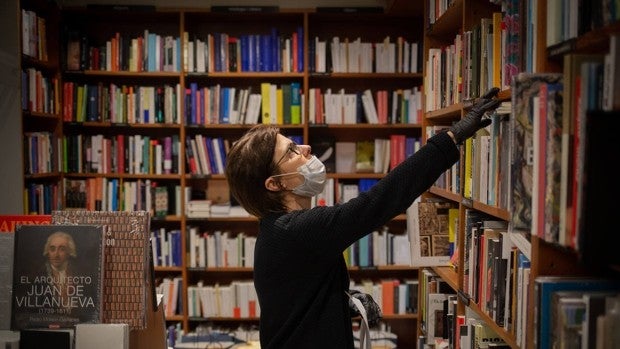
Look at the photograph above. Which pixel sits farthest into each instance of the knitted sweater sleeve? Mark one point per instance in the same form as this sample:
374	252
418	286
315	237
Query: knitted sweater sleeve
335	228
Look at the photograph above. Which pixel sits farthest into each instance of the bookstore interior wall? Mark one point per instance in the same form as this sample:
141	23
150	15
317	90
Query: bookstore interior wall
135	109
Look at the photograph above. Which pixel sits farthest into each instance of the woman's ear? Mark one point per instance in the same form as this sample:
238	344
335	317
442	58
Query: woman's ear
273	185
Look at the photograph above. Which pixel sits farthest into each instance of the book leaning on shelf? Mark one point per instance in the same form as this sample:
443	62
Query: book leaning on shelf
127	282
57	276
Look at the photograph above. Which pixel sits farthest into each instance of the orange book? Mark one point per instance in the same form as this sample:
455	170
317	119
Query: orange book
387	291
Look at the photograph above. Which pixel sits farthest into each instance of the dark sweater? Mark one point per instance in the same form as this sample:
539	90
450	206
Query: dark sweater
299	270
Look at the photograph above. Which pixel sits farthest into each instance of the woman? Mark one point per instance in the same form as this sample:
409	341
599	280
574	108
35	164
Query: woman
299	270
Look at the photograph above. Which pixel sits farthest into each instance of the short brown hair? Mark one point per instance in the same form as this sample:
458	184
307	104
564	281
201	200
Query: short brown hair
248	164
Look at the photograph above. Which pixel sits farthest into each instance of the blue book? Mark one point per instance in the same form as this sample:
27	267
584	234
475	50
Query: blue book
546	286
244	41
265	53
253	40
193	106
297	139
300	49
364	251
225	105
174	237
275	51
211	155
152	47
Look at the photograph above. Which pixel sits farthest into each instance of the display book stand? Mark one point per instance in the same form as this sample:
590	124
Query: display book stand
141	328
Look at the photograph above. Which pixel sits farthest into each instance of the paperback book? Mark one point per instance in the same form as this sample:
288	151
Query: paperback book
7	230
57	276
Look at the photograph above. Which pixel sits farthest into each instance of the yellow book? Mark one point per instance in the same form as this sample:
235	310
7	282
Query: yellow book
279	106
265	88
453	222
468	168
497	49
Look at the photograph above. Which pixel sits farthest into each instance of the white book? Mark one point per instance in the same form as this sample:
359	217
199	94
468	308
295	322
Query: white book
201	241
218	151
101	336
402	250
193	247
370	110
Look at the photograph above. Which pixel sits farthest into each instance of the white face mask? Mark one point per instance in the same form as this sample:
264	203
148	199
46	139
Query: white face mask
314	178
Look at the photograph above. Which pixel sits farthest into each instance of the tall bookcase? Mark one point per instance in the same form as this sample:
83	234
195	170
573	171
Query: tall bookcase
40	105
447	25
114	116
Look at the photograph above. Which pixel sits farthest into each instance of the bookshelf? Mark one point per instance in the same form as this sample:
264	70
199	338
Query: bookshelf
445	27
40	105
115	118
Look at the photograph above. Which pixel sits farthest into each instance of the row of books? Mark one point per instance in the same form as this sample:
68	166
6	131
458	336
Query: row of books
34	42
132	154
400	106
336	55
220	249
113	194
42	198
40	92
273	104
443	326
576	312
573	21
149	52
478	59
252	52
171	288
206	155
167	247
379	248
124	104
40	153
449	180
486	161
378	156
394	296
496	271
235	300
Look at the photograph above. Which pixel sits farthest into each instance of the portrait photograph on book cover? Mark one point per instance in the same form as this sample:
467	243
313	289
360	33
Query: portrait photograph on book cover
57	275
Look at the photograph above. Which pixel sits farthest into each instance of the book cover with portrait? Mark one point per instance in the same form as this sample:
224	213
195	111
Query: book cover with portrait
57	275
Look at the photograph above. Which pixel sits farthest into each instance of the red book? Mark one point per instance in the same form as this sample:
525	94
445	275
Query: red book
9	222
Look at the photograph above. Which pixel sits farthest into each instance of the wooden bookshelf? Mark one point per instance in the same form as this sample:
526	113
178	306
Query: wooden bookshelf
547	258
93	27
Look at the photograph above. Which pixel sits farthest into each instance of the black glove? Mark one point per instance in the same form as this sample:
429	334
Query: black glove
473	121
373	311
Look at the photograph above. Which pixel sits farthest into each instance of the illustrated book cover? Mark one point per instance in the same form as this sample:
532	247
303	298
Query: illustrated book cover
7	230
526	90
428	229
57	276
127	278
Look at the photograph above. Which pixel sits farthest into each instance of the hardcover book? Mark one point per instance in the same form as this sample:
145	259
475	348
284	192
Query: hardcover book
7	230
57	275
525	87
127	268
